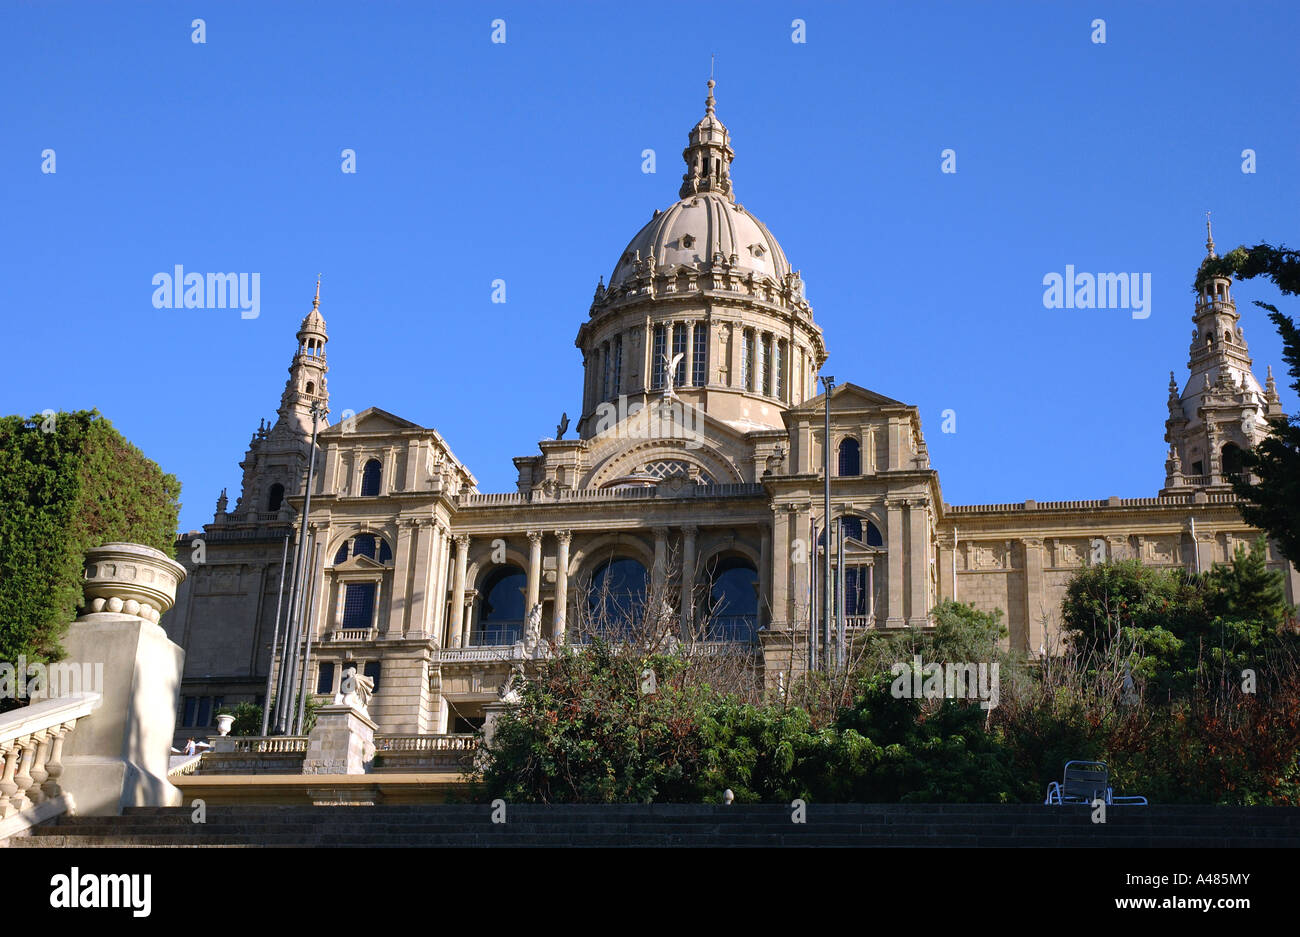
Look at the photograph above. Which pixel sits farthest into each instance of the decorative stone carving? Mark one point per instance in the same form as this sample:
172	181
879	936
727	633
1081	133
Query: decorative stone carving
130	579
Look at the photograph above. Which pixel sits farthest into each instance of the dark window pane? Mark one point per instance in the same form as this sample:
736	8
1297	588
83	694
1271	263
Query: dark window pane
191	710
372	671
850	457
364	545
205	711
342	555
385	554
325	678
359	605
370	478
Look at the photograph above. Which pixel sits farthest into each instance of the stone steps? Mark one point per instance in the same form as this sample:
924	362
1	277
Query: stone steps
669	825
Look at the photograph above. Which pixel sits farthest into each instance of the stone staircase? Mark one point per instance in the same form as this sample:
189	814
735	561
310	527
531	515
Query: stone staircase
679	825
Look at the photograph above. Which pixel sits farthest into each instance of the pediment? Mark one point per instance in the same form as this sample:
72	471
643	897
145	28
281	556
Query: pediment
848	396
359	564
372	420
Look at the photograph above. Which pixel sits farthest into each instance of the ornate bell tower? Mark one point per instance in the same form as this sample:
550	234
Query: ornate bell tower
276	462
1222	410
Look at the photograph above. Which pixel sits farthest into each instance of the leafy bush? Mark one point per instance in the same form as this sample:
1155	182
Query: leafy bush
68	482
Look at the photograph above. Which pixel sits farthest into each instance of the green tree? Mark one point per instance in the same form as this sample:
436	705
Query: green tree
1273	502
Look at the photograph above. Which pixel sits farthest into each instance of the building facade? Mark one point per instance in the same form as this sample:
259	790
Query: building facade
692	493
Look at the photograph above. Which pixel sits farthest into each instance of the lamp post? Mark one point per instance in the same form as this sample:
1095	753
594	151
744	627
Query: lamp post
284	713
828	383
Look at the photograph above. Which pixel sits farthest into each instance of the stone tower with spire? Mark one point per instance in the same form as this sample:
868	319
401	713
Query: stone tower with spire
276	462
1221	410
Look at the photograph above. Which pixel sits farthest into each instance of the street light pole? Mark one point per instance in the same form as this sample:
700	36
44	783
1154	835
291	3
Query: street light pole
285	714
828	383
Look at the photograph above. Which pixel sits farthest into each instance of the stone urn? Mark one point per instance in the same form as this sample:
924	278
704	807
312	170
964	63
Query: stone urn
224	722
130	579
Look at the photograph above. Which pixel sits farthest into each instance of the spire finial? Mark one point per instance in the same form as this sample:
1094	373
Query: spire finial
709	102
1209	237
315	303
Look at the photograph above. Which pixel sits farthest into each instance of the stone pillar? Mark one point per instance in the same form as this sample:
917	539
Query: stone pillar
919	554
736	335
657	573
420	577
894	580
438	587
562	538
764	575
782	517
454	636
342	742
119	758
688	579
401	604
1031	635
534	571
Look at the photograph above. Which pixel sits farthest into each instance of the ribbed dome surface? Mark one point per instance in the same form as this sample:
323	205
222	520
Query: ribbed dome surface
696	228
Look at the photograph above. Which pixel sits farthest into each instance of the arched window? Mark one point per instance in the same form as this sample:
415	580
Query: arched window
733	601
367	545
1230	459
850	457
370	478
275	498
852	528
364	545
873	536
617	597
501	611
311	387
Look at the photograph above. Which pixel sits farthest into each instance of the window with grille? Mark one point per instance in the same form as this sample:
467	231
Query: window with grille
747	360
850	457
699	360
359	605
765	363
370	478
325	677
780	370
679	348
657	365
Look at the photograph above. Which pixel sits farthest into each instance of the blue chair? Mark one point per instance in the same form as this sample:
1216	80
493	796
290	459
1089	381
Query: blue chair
1085	782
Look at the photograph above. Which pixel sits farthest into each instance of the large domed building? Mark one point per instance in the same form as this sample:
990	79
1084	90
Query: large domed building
691	498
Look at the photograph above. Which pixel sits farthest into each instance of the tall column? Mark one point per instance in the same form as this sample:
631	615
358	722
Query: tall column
1031	634
438	588
657	574
534	570
402	568
765	576
562	538
736	336
420	588
781	517
688	579
894	582
919	557
458	592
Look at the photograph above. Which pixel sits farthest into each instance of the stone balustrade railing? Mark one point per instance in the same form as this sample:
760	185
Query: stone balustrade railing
262	744
426	743
31	752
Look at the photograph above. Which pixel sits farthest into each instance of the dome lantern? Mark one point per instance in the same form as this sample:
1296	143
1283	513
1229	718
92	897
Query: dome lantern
708	155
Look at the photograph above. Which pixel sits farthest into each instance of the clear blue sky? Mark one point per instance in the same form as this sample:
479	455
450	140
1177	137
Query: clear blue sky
522	161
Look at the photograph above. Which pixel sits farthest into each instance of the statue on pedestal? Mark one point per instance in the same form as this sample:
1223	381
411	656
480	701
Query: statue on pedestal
355	690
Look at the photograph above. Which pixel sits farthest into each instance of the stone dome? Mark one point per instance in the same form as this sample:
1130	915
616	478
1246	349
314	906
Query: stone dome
695	231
